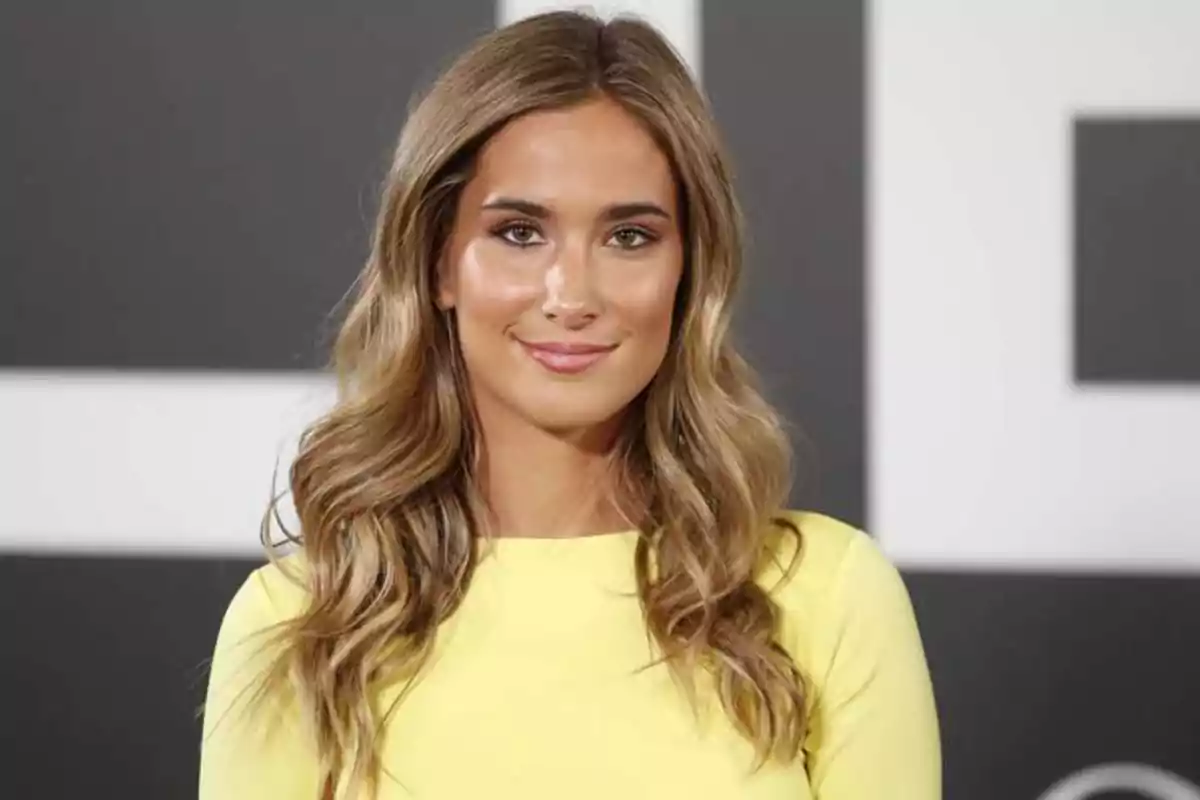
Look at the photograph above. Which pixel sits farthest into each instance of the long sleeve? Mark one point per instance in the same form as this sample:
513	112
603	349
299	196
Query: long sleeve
875	728
243	755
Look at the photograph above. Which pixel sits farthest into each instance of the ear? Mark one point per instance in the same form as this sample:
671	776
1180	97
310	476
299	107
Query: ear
445	283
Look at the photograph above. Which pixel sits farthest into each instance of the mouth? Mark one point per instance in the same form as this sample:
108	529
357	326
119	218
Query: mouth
566	358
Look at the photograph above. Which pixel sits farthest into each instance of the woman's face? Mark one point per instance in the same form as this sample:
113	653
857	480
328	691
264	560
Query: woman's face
562	266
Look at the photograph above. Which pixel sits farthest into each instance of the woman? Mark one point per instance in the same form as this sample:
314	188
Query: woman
542	550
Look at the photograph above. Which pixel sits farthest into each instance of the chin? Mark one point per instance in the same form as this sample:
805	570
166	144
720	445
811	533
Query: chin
564	420
582	409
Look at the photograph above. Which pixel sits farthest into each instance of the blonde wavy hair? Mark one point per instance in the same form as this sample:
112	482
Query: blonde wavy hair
384	484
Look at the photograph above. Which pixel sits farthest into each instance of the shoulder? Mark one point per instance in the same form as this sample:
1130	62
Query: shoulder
254	741
270	594
831	581
810	553
243	653
847	620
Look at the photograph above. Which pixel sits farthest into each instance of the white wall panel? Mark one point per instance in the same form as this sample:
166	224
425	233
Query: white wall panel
984	453
145	462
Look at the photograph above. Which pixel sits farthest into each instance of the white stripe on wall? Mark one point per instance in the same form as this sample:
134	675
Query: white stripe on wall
145	462
679	20
983	453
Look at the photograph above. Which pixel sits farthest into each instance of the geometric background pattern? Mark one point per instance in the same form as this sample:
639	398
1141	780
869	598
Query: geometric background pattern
1137	249
972	286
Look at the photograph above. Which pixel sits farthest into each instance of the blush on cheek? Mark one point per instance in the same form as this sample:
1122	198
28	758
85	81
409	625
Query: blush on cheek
649	300
491	281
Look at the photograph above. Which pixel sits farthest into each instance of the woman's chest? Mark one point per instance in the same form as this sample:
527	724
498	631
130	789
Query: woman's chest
569	707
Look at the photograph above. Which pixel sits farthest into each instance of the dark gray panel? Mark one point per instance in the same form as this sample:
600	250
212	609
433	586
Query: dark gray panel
190	185
104	665
787	84
1038	676
1137	250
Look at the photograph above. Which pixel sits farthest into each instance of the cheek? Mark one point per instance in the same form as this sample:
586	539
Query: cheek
493	289
646	304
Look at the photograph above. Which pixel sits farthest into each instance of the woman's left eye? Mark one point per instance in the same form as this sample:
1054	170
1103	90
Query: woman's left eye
631	238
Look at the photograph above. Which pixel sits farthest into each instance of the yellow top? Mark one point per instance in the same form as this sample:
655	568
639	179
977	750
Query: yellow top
533	694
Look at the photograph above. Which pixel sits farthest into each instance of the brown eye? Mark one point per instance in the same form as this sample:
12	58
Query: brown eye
632	238
520	234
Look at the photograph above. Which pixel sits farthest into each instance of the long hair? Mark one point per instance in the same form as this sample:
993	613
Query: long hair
384	484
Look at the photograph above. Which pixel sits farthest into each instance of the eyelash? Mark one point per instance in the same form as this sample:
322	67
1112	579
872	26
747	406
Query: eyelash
648	236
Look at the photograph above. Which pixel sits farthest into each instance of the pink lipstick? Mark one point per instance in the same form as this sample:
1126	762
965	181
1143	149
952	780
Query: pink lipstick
567	358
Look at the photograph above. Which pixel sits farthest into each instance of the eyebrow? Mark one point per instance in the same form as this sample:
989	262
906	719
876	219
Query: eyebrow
611	213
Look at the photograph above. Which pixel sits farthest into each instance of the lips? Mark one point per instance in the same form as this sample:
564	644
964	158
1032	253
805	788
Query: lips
567	357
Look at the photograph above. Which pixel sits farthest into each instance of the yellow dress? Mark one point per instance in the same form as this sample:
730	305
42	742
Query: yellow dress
533	692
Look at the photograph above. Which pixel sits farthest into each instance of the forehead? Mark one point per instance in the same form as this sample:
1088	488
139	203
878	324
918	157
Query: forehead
597	150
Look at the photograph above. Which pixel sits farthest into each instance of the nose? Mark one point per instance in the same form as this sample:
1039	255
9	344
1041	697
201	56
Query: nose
569	299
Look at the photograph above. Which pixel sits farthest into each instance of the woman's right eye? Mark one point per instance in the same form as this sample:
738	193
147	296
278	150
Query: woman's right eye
520	234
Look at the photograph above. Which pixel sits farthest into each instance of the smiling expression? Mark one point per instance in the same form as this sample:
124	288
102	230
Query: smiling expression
563	264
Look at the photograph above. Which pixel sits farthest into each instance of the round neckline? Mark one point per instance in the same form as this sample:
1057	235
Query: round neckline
557	542
608	546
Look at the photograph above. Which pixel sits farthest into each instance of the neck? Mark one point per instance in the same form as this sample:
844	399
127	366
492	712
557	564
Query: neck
542	484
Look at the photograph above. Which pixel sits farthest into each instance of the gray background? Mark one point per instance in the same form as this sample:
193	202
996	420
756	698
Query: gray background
1137	259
